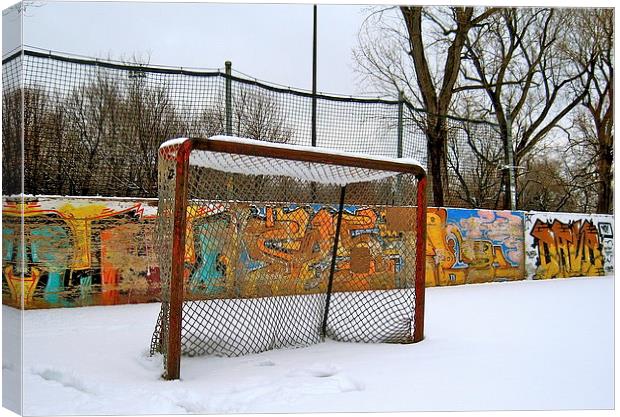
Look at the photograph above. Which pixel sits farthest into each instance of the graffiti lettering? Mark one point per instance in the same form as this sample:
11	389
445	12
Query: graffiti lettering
288	250
567	249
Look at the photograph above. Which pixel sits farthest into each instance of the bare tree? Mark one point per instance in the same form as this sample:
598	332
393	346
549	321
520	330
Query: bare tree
209	122
47	145
150	118
114	128
473	162
421	55
36	103
60	174
547	186
102	136
94	112
259	116
12	158
591	47
516	58
255	115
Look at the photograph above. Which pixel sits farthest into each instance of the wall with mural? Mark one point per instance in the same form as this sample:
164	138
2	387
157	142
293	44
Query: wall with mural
246	250
473	246
79	251
561	245
97	251
88	251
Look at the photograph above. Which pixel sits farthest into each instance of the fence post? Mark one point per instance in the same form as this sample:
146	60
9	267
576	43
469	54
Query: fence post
228	66
399	148
511	186
314	47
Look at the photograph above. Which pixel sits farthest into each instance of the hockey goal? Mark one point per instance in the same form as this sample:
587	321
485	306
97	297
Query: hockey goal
266	245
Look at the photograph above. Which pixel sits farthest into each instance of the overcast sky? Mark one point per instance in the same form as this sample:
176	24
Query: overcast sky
272	42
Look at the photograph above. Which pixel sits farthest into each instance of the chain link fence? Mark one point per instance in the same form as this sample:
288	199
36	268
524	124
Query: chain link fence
93	127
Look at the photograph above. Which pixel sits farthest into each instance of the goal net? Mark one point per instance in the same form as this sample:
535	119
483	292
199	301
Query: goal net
265	245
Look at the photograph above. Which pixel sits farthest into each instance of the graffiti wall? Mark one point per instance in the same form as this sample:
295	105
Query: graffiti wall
473	246
245	250
84	251
79	251
96	251
561	245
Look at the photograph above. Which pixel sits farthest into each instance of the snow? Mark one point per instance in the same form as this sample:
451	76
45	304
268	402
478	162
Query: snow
318	149
309	171
173	142
528	345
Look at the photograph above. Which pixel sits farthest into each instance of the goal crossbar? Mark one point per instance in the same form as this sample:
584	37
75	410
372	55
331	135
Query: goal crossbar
322	165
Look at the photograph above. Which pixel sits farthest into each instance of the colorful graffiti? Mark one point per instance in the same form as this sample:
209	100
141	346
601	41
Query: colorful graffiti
89	251
566	245
78	252
473	246
256	251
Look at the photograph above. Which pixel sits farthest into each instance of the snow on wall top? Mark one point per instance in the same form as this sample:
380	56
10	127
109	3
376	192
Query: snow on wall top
310	171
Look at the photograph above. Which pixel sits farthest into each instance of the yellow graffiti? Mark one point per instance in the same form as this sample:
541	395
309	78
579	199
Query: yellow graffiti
21	285
78	218
452	259
58	243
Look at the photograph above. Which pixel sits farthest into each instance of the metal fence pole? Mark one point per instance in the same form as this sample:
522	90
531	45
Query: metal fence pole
228	66
397	197
314	47
511	186
399	148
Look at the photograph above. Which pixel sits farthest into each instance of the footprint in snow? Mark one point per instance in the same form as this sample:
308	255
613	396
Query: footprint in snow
64	379
191	407
318	371
332	380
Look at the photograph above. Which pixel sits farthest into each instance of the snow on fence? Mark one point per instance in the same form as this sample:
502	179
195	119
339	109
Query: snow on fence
84	251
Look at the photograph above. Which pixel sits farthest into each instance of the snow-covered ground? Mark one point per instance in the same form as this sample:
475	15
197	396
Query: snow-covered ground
510	346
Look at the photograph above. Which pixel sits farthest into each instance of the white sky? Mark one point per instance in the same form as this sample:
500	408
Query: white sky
271	42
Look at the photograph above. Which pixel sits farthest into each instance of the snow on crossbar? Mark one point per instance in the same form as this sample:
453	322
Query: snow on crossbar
305	243
320	165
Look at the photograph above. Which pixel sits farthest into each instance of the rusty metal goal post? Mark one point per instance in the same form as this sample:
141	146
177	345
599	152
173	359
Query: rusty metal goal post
265	245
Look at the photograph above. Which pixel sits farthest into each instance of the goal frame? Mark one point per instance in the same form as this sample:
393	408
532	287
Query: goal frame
184	148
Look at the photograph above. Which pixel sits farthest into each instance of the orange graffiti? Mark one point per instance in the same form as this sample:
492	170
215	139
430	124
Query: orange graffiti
296	245
567	250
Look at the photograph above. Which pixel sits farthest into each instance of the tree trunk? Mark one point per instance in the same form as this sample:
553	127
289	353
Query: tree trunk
436	144
605	192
